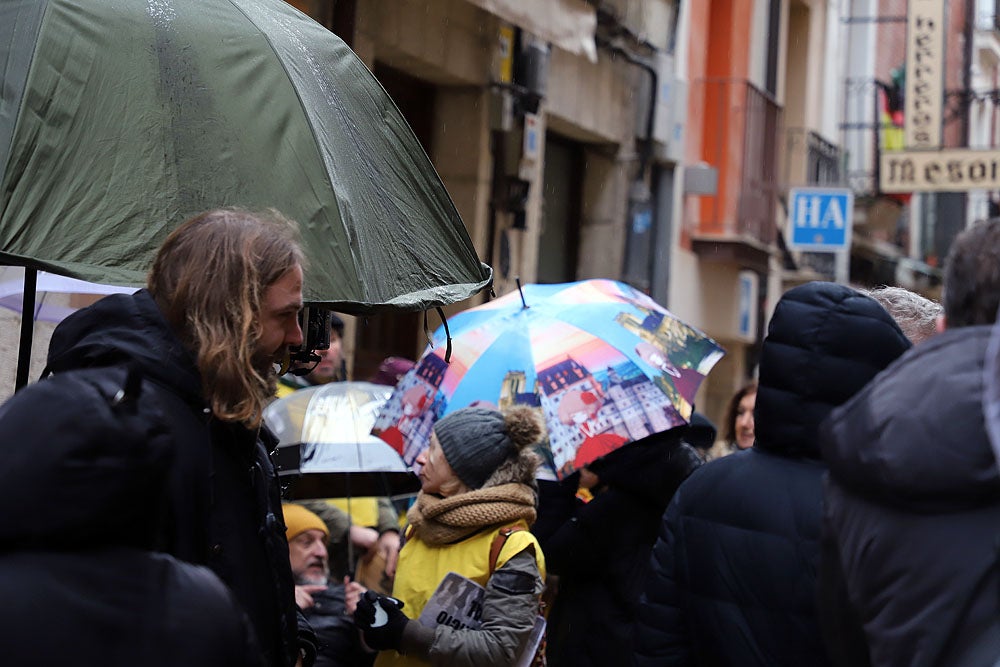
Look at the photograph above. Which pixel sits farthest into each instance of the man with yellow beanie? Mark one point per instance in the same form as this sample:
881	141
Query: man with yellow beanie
323	603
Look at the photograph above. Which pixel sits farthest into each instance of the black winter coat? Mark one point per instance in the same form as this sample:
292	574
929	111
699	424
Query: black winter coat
913	509
600	550
83	481
734	571
339	640
223	500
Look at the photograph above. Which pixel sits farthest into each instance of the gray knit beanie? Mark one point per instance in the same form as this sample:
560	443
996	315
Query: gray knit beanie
476	441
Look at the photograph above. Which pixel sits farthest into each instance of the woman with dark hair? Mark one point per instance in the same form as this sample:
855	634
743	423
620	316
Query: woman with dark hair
739	425
739	417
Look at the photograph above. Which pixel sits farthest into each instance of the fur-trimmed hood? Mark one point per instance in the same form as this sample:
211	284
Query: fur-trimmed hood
518	469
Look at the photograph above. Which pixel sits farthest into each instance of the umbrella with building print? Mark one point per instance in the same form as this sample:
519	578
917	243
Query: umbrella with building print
602	363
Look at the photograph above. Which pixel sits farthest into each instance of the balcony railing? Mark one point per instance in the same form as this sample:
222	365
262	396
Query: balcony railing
810	159
743	139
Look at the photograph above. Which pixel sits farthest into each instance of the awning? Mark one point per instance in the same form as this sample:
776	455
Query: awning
568	24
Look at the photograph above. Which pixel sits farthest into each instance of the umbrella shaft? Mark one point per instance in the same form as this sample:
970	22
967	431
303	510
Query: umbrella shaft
27	328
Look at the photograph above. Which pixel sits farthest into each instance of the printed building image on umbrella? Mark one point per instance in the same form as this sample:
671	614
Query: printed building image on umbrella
600	361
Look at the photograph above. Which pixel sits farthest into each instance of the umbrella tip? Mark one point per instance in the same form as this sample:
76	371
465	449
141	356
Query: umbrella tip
520	291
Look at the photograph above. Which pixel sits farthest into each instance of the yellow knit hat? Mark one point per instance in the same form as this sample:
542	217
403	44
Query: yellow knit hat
298	520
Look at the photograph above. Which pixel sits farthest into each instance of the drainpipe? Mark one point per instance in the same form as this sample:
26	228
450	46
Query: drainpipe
646	152
640	195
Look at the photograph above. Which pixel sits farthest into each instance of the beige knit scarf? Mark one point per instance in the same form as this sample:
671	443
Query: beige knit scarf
439	521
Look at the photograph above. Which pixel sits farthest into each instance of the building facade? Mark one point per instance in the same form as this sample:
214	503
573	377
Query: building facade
657	141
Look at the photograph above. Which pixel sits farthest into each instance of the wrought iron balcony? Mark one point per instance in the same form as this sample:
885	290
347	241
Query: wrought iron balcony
742	137
810	159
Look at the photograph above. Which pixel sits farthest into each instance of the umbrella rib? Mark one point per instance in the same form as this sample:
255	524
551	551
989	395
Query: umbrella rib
328	167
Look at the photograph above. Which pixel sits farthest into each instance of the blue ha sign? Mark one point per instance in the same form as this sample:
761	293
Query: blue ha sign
820	218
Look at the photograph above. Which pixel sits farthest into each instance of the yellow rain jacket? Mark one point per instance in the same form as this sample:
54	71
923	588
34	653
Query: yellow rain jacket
422	567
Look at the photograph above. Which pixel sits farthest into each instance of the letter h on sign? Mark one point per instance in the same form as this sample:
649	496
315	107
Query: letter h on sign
820	218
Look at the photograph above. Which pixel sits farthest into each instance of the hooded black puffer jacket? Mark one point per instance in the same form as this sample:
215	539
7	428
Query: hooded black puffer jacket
913	507
734	568
600	550
223	500
83	481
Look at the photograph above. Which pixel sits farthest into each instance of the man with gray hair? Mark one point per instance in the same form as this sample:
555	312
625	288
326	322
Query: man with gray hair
916	315
912	502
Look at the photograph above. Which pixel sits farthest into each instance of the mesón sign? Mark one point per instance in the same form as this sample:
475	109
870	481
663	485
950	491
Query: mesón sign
957	170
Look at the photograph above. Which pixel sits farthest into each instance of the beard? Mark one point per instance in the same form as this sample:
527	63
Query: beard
266	367
313	579
265	362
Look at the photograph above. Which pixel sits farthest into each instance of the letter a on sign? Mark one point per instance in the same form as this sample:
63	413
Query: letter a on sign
834	215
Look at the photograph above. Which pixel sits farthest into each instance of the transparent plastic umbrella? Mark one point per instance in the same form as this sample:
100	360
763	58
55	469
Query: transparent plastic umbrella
326	449
12	292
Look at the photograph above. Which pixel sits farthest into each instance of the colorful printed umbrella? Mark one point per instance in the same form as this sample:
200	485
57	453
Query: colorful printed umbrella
602	362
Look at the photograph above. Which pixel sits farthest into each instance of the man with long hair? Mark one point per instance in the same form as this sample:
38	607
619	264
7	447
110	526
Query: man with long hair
221	307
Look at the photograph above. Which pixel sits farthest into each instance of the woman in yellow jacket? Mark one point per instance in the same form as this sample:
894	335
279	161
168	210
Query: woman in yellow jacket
478	483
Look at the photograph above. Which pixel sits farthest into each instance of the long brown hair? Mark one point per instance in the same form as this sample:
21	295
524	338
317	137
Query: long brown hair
209	279
733	408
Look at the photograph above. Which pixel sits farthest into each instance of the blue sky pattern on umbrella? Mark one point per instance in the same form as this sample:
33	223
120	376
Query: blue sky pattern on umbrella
594	357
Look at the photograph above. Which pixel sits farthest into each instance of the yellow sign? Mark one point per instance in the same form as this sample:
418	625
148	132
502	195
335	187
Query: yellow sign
505	53
957	170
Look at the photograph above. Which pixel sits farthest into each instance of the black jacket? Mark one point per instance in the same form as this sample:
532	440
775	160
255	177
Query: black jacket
83	481
339	641
223	501
600	550
734	568
913	507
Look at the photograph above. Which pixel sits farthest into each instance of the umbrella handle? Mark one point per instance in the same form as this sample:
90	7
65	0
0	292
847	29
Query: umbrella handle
447	333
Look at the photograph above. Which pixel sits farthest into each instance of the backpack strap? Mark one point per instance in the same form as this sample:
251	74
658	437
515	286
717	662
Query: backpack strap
538	659
497	546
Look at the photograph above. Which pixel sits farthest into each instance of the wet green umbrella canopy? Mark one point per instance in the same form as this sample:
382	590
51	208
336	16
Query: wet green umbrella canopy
119	119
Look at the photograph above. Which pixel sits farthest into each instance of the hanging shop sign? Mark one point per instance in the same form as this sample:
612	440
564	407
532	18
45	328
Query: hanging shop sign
924	97
957	170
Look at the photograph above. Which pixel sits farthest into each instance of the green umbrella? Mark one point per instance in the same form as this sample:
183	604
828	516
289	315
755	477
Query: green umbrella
121	118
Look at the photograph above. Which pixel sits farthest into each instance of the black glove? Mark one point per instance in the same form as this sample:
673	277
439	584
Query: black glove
380	619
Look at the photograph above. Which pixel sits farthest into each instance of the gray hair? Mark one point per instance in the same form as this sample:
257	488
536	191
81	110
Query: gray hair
916	315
